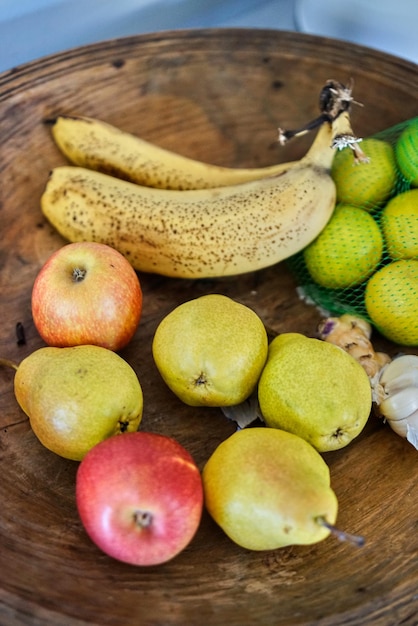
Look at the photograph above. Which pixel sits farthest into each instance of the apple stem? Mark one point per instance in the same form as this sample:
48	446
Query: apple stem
357	540
8	363
143	519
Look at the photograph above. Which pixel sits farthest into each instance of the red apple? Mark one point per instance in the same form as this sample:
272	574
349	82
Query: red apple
140	497
87	293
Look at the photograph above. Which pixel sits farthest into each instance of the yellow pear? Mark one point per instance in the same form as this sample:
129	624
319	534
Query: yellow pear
210	351
267	488
76	397
314	389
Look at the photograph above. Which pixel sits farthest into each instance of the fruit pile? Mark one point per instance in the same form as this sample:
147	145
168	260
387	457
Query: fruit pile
140	496
365	261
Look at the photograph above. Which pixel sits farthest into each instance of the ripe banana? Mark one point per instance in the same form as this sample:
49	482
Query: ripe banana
200	233
97	145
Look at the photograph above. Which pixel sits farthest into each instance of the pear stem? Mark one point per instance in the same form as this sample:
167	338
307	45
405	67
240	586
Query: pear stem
357	540
8	363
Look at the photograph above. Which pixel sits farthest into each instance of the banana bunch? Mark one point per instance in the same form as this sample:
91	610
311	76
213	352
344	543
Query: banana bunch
200	233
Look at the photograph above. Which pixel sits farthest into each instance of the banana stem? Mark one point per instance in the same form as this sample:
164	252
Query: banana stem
335	99
8	363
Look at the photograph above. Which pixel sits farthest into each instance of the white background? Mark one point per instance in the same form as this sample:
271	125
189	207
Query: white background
30	29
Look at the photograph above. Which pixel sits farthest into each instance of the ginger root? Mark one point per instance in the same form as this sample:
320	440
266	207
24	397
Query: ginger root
352	334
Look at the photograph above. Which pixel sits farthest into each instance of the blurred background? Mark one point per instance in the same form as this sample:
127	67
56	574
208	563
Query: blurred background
30	29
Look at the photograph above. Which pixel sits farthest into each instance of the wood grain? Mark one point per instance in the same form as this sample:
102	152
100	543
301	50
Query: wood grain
218	95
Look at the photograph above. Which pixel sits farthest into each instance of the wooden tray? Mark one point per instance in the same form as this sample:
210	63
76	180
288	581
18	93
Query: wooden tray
218	95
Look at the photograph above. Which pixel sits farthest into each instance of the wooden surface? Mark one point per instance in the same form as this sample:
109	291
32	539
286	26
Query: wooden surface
219	96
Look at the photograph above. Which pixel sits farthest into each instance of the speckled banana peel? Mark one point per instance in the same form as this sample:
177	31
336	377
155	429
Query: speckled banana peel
97	145
200	233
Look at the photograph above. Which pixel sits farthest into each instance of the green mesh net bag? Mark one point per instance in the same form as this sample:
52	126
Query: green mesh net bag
365	261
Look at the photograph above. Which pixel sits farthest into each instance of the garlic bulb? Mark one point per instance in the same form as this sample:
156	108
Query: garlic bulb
396	395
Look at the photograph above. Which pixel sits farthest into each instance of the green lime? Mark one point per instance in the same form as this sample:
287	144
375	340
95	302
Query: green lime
366	185
406	151
399	223
391	300
347	251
